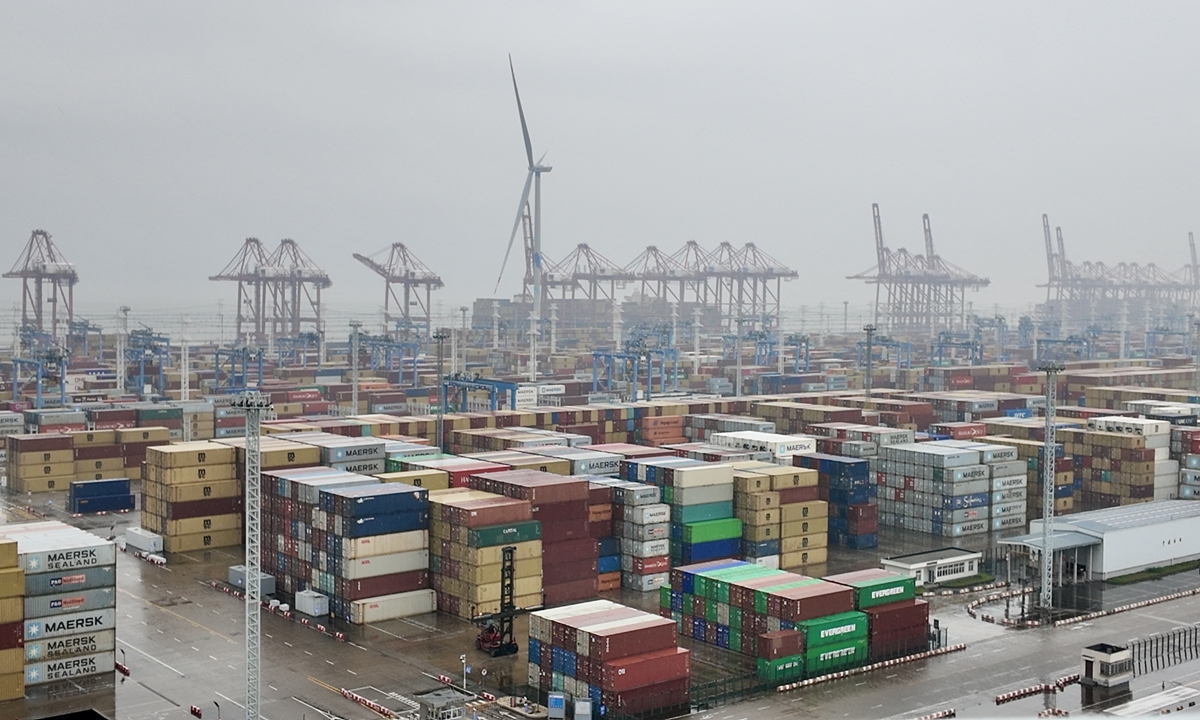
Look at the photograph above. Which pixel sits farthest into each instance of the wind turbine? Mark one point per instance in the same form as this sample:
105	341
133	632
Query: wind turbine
534	178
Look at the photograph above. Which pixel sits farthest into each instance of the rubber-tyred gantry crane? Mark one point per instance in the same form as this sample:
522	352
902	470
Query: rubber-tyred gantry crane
47	279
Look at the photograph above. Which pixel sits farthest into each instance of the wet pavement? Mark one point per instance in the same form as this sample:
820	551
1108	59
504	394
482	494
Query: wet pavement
183	642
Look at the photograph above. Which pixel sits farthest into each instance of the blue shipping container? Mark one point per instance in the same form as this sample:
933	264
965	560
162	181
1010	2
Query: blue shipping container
99	488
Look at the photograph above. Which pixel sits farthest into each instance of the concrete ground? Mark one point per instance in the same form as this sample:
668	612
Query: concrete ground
183	642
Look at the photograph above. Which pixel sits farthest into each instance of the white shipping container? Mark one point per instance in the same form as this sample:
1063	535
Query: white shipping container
311	602
660	531
704	494
72	624
374	566
778	445
68	668
645	583
390	607
645	548
373	545
61	647
1007	522
143	540
64	603
1010	482
701	475
646	514
768	561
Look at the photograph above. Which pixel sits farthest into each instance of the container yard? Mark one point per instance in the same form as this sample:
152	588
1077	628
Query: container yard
729	475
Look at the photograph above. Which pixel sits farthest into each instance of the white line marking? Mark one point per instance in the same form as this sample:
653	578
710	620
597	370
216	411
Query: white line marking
160	662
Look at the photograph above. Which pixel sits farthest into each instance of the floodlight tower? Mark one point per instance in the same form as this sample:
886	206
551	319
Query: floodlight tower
255	404
1050	453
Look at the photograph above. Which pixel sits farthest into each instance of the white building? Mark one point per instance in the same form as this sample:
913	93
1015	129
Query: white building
935	566
1103	544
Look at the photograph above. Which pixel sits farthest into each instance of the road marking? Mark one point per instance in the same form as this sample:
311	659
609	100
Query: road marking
307	652
329	661
226	638
273	688
285	642
177	640
889	677
212	657
196	648
360	647
269	635
874	707
351	671
160	662
235	702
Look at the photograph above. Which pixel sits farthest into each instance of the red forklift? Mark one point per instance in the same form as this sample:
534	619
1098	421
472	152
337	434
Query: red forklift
496	636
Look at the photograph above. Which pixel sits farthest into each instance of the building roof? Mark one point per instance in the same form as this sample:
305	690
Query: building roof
1059	540
1128	516
921	558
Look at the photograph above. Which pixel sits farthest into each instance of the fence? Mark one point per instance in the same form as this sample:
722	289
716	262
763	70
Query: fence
1160	651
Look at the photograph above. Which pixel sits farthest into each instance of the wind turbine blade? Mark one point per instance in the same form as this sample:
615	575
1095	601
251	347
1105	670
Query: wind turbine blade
516	226
521	112
543	157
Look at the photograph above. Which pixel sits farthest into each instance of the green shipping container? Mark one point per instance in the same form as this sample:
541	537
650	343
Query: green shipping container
668	494
832	658
710	611
760	595
869	593
784	669
493	535
166	413
735	640
719	582
700	513
435	565
735	621
664	594
710	530
833	629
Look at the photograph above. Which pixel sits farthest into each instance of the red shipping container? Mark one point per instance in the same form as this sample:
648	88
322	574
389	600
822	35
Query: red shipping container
781	643
560	573
789	496
570	592
863	527
383	585
898	616
567	551
613	643
38	443
12	635
813	601
671	694
97	452
652	668
204	508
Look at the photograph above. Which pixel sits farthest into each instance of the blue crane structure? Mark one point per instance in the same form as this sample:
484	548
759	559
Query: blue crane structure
295	350
79	332
948	341
144	345
233	369
800	341
1153	335
457	385
1081	345
47	364
388	354
903	350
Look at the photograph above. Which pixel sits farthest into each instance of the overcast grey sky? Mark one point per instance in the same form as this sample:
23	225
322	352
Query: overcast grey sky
151	138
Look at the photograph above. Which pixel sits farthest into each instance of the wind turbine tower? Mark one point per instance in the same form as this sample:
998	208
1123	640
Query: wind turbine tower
534	179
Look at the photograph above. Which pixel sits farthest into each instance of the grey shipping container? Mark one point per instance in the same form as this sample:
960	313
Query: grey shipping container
69	558
61	604
81	579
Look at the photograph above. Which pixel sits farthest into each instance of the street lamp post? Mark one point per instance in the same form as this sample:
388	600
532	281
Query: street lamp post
870	330
440	336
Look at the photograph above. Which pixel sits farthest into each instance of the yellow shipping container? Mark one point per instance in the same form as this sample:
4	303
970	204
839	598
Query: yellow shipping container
43	457
804	511
112	463
8	553
12	686
202	541
88	438
12	582
804	558
143	434
191	454
428	479
191	474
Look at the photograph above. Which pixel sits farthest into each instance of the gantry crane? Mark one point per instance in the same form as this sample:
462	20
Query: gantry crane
41	268
401	267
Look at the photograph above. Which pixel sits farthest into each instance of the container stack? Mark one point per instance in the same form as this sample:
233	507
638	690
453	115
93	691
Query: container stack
98	456
40	463
100	496
659	430
622	659
164	416
364	456
700	495
731	604
600	528
11	423
359	542
468	533
134	444
192	497
1123	461
1006	486
570	560
12	615
387	527
69	585
897	621
229	422
785	525
845	483
945	487
700	427
641	531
